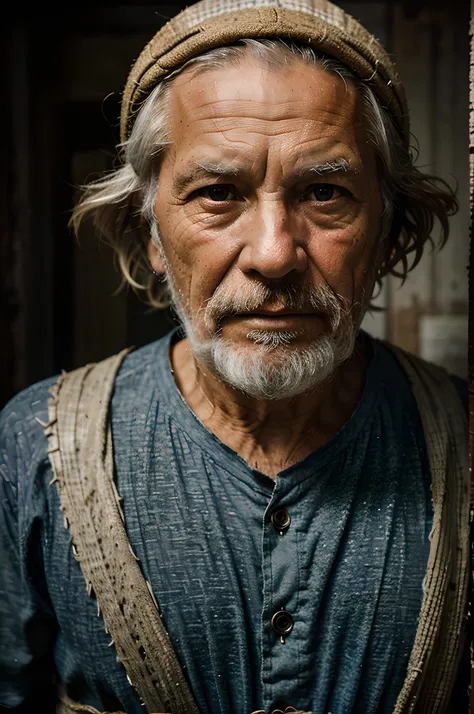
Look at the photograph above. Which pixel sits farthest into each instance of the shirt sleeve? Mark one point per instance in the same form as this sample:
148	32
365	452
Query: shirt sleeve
28	625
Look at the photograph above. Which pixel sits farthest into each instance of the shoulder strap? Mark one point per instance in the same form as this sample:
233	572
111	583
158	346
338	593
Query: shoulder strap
80	451
441	627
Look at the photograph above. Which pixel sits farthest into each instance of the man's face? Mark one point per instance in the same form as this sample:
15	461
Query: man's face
269	190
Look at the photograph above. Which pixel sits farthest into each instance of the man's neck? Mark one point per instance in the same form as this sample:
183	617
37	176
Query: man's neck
270	435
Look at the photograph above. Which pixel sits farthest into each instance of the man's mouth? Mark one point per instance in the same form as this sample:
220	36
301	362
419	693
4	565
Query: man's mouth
277	312
271	318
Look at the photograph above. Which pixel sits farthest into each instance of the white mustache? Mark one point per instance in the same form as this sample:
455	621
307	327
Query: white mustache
228	301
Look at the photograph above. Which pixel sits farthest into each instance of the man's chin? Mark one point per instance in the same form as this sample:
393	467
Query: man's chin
278	373
272	354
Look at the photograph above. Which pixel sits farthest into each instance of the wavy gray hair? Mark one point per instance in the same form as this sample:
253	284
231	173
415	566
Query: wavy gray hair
121	203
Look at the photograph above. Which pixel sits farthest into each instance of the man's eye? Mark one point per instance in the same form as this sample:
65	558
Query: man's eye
220	192
324	192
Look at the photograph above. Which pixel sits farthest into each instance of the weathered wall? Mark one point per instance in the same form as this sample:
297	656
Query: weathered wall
428	313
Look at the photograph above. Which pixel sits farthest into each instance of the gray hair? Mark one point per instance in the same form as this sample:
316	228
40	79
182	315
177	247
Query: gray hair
121	203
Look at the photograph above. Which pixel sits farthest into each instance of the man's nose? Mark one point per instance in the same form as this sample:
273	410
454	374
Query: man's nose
274	245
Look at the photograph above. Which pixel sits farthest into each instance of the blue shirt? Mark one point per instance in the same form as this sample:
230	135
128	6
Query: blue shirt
349	569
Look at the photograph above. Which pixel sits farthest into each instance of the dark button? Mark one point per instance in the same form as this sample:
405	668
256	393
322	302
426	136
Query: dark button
281	519
282	622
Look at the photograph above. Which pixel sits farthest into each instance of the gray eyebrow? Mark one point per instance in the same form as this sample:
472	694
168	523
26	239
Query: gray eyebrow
328	167
203	169
212	168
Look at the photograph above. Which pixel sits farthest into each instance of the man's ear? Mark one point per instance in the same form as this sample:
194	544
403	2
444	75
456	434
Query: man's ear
154	257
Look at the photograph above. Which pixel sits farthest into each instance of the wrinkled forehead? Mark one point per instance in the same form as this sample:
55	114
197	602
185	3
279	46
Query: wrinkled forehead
231	109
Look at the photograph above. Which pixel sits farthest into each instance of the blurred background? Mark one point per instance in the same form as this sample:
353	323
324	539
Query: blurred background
64	70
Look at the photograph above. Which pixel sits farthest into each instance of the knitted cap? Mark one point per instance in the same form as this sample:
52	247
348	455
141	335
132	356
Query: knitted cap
216	23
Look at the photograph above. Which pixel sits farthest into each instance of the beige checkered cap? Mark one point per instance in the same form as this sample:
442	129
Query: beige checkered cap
216	23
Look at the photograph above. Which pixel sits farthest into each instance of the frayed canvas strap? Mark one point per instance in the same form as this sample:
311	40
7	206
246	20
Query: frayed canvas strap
441	631
80	451
65	705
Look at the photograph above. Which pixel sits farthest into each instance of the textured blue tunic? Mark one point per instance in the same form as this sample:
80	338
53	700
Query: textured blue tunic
349	569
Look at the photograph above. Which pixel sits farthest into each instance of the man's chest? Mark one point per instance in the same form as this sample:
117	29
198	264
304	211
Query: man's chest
266	588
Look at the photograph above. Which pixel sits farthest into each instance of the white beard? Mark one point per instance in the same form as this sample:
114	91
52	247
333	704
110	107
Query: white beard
274	366
292	370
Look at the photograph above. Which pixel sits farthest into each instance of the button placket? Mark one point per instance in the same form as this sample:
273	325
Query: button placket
281	577
282	621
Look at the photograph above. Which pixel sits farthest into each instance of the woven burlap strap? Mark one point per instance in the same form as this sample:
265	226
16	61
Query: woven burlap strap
80	451
441	629
66	705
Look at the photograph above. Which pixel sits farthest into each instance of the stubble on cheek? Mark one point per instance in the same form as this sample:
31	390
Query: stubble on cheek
180	239
347	255
363	260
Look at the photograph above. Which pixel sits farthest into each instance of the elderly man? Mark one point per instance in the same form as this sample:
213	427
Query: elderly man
267	510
